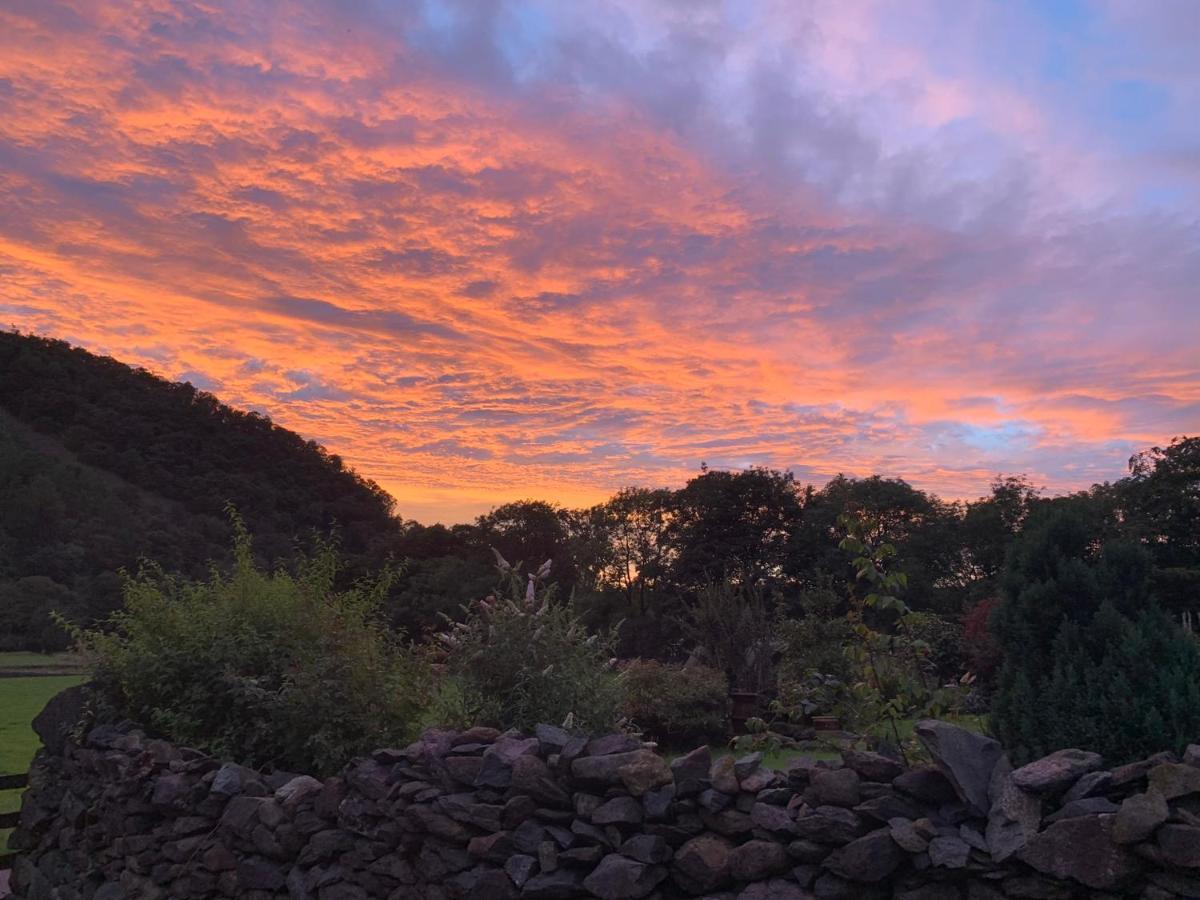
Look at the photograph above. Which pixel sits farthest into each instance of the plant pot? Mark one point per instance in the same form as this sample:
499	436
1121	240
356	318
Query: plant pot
744	705
826	723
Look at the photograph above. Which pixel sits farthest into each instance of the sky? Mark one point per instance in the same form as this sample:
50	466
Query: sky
500	249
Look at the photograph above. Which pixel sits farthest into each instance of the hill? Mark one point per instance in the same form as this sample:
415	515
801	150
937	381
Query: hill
102	465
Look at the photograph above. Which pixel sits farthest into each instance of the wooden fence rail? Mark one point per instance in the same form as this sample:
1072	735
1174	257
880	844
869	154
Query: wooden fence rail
9	820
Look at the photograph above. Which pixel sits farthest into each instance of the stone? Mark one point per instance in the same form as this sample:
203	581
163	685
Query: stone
1014	817
829	825
772	818
645	772
1123	776
906	836
834	787
520	868
774	889
1175	780
529	775
871	766
690	771
59	717
620	878
1089	806
1191	756
647	848
618	811
608	744
964	757
702	864
497	762
561	884
722	777
713	801
1090	785
949	852
755	860
259	874
1179	845
293	792
172	793
886	807
925	784
1082	849
745	766
604	770
551	737
657	804
1139	817
1056	772
870	858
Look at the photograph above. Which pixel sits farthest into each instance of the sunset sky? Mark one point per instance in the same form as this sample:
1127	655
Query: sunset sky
542	248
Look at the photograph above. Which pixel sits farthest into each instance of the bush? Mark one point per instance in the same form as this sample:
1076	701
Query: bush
943	637
1089	660
979	643
269	669
678	706
521	658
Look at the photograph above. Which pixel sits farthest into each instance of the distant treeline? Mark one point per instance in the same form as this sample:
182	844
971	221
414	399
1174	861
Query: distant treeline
102	465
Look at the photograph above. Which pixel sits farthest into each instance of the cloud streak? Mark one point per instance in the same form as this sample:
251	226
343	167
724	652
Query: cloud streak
494	250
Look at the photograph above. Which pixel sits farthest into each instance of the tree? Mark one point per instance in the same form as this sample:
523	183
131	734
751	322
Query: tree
1089	660
732	525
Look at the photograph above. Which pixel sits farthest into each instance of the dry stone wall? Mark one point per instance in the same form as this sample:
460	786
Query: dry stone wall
552	816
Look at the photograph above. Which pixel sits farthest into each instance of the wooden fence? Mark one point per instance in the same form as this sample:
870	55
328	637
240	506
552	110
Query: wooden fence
9	820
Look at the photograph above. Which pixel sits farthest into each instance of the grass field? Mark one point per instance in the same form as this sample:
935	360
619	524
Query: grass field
38	660
20	700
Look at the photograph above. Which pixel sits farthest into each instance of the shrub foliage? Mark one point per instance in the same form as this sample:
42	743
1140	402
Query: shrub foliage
521	657
268	668
678	706
1089	660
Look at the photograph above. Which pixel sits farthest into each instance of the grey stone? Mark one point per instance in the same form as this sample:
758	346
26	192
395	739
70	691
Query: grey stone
1179	845
1056	772
620	878
59	717
870	858
773	818
1015	814
871	766
1089	806
774	889
691	771
964	757
702	864
1175	780
1082	849
1139	817
834	787
755	860
906	836
496	769
647	848
618	811
949	852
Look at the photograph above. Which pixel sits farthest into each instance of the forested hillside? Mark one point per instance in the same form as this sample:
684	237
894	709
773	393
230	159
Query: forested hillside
102	465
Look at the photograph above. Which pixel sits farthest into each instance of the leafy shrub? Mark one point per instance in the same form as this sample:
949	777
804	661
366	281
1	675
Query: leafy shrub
271	669
679	706
941	638
979	643
521	658
1089	661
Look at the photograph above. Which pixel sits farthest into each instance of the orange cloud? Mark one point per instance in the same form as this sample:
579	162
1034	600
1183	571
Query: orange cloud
476	293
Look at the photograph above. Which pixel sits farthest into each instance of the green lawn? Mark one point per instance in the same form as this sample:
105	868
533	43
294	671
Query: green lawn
19	660
20	700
